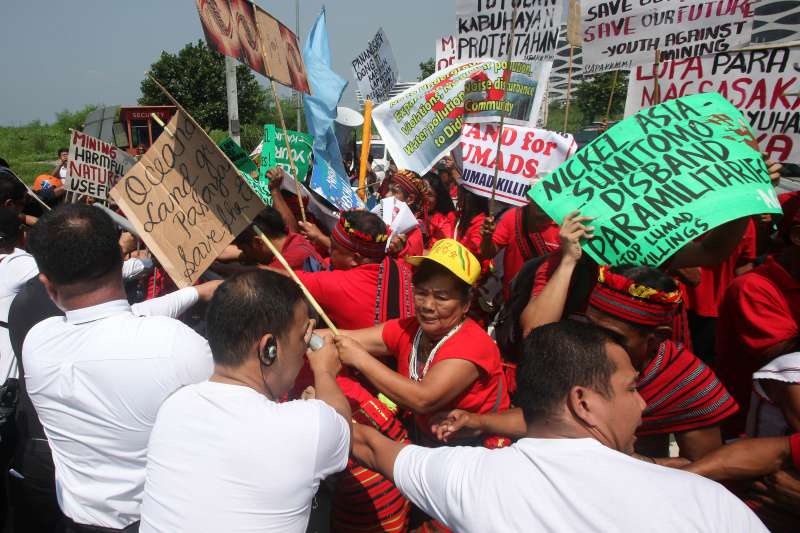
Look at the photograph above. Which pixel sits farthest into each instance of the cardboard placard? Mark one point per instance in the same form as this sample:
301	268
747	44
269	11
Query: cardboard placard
186	200
526	155
375	69
424	122
762	84
660	179
484	27
618	34
94	166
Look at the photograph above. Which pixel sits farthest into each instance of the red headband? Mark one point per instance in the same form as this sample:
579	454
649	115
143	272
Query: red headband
345	235
629	301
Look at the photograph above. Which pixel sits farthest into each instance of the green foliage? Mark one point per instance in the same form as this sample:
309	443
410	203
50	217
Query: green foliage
67	120
195	76
32	149
426	68
591	96
555	118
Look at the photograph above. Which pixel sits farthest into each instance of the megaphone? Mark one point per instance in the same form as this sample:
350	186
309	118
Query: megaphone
346	121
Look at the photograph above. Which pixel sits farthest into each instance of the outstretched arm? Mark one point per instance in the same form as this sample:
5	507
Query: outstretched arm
375	451
744	459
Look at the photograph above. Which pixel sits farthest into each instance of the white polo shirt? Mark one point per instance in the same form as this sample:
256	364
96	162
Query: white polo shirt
563	485
97	378
224	458
16	269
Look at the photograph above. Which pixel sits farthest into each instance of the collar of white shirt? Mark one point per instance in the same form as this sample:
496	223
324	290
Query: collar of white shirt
98	312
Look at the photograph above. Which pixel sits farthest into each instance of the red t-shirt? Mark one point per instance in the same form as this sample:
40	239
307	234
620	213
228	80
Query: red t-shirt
488	393
414	244
296	249
471	237
348	296
507	235
759	309
705	298
441	226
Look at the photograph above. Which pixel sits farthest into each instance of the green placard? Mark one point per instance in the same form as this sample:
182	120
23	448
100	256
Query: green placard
273	151
660	179
247	169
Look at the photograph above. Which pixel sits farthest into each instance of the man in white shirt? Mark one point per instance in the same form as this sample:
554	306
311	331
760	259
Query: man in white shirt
573	471
224	455
98	376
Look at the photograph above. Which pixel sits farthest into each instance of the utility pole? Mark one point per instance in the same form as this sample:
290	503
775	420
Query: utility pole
297	94
233	99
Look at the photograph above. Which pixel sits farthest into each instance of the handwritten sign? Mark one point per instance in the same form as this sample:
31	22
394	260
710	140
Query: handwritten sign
186	200
618	34
375	69
445	52
247	168
484	27
526	154
94	166
762	84
660	179
425	121
273	151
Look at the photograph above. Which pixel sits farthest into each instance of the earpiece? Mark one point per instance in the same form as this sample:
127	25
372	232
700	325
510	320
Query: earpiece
268	356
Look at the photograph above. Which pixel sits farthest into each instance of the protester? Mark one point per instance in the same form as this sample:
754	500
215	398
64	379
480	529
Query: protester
444	359
49	188
60	170
775	400
275	454
97	377
406	186
472	210
442	216
12	194
577	389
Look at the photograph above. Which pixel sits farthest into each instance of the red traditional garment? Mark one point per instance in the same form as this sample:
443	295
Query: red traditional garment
441	227
681	393
296	249
471	236
415	244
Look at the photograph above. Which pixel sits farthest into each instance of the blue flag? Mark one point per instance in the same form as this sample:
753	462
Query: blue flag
329	177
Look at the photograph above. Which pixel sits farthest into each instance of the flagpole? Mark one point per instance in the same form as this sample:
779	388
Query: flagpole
366	141
506	80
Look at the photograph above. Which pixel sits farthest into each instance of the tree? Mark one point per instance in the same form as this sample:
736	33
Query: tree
196	78
591	96
426	68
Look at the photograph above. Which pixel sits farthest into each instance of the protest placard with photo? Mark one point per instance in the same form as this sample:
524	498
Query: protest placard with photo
445	54
484	27
273	151
526	155
336	190
424	122
660	179
94	166
247	168
618	34
186	200
375	69
244	31
762	84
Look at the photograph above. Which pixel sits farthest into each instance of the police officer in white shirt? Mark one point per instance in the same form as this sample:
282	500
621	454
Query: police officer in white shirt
225	455
98	376
573	471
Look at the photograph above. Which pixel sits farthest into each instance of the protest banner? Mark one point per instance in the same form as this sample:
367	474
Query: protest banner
762	84
526	155
660	179
445	52
94	166
274	152
618	34
244	31
248	169
186	200
326	183
484	27
375	69
424	122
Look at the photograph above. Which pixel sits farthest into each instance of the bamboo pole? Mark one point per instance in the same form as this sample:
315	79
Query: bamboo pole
656	84
611	97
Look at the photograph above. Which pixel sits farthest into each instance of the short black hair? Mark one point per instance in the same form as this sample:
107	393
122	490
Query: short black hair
556	358
62	150
9	226
649	276
268	221
75	243
365	222
428	269
244	308
10	187
444	204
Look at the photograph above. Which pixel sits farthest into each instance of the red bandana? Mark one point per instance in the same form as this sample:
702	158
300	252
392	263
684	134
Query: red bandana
347	236
629	301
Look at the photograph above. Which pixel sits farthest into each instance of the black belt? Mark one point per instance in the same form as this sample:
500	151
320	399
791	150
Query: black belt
70	526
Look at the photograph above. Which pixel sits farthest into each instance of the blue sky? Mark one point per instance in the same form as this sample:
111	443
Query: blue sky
64	54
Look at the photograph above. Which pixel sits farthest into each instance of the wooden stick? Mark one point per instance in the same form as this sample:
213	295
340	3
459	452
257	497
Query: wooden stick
290	270
656	84
611	98
569	86
506	79
161	123
366	140
30	191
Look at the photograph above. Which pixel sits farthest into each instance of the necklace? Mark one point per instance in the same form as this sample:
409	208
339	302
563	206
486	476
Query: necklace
412	361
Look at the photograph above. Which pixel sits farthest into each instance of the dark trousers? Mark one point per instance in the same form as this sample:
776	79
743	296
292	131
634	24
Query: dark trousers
68	526
33	498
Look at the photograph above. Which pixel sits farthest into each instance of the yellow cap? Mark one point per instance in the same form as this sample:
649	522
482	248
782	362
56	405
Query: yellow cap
455	257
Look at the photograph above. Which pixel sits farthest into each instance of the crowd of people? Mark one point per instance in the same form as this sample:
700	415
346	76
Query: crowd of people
484	373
